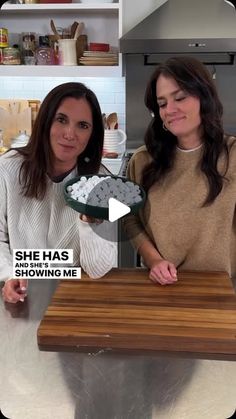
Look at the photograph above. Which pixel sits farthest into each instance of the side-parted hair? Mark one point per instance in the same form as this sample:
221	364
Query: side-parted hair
37	155
194	78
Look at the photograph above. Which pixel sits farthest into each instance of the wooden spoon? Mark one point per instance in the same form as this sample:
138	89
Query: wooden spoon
53	27
104	120
79	30
112	120
73	29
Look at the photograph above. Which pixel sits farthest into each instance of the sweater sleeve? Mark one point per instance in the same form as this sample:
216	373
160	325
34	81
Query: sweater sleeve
5	254
132	224
97	254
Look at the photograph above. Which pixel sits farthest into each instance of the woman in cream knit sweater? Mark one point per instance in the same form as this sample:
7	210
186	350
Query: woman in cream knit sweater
66	141
188	169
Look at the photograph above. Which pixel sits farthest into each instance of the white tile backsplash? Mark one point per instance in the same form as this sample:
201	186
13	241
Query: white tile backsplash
109	91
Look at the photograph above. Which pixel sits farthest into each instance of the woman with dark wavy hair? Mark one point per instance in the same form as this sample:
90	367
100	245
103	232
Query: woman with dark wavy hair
66	141
188	169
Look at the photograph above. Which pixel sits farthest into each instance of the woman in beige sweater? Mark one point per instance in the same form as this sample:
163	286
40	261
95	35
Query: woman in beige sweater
188	169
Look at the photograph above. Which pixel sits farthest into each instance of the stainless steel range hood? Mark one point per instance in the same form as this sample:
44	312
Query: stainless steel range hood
201	27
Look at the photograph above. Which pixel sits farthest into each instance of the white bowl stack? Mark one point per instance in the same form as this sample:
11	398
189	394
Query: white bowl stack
114	141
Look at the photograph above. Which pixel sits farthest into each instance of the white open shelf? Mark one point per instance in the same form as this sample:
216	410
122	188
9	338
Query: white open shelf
60	71
42	8
103	23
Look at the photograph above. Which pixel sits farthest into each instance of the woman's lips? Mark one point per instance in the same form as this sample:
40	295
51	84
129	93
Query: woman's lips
172	121
66	146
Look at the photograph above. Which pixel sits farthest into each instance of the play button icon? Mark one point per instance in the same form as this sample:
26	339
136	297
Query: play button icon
116	209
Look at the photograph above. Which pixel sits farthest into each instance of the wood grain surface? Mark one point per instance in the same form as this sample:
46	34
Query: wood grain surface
124	311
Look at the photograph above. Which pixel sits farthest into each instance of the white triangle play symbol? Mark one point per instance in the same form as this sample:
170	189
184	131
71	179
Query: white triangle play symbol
116	209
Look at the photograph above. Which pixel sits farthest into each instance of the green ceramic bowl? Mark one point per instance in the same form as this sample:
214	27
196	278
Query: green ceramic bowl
96	211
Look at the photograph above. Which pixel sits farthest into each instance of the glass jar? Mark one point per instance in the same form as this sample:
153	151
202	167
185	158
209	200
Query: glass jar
1	55
11	56
3	37
44	54
28	41
28	48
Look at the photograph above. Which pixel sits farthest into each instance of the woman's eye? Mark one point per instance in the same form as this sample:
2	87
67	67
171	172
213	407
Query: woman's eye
179	98
161	105
84	125
61	119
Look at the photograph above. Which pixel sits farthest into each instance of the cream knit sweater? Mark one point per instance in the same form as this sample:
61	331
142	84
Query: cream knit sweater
185	233
48	224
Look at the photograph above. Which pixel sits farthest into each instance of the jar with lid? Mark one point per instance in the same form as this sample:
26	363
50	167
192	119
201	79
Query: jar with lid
28	48
3	38
11	56
44	54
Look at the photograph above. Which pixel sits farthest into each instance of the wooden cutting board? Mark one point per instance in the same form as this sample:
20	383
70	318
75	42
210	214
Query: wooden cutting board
15	116
124	311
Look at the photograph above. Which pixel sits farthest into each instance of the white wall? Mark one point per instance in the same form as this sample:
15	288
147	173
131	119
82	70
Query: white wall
136	10
109	91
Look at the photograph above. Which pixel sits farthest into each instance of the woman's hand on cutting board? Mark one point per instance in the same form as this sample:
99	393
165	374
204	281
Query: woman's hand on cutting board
163	272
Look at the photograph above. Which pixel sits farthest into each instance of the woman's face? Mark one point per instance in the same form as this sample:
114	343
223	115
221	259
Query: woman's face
70	132
179	111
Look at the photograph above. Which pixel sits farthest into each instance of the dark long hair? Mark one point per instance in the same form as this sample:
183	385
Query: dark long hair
37	155
193	77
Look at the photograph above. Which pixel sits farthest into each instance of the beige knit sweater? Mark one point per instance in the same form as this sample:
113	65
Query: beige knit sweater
189	235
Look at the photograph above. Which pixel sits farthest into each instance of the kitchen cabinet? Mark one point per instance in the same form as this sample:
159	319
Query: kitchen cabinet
103	23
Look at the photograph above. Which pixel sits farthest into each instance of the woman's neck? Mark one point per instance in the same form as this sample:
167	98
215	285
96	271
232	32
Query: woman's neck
189	143
61	167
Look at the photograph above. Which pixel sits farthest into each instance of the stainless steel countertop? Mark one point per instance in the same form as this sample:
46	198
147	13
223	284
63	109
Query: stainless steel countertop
50	385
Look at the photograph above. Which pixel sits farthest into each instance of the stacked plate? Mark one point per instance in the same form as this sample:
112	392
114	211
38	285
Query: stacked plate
99	58
114	141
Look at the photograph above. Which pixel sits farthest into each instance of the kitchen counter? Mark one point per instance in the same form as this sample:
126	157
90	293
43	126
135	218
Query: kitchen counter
48	385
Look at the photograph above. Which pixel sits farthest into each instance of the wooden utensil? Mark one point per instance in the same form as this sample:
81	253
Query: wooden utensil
112	120
53	27
73	29
104	120
79	30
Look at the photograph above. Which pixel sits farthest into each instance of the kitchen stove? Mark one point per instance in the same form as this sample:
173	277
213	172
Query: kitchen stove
119	165
113	165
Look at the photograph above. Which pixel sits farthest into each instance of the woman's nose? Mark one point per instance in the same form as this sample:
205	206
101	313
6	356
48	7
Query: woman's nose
171	106
69	133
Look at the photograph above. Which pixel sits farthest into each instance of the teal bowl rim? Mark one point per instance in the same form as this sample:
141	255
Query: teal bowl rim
99	212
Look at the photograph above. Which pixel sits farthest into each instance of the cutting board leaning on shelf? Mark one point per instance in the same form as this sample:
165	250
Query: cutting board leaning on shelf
17	115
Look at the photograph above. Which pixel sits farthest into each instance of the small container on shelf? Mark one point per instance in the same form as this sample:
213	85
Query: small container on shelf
3	38
11	56
28	48
44	54
1	55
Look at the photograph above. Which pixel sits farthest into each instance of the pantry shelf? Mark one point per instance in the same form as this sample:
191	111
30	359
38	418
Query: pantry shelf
44	8
60	71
